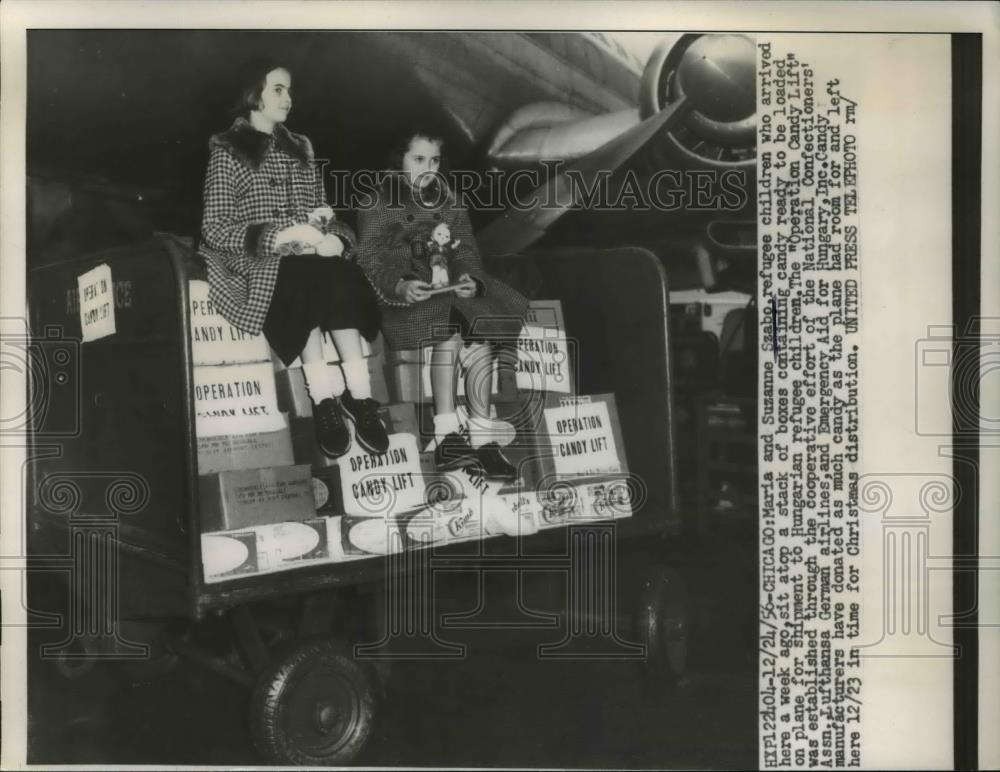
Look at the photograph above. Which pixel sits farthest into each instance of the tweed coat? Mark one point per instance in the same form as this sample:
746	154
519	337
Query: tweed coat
392	230
257	184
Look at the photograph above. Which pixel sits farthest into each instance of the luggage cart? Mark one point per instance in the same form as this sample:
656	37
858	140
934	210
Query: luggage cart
112	494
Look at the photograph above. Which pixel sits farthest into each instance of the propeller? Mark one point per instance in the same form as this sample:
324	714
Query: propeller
703	90
516	230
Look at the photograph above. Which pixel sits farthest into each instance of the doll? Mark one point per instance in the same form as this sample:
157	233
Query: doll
440	249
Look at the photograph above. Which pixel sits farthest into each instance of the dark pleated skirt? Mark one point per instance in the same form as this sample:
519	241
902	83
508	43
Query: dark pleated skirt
314	291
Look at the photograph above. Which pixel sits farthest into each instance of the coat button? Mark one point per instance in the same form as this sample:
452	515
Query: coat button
409	218
437	215
276	213
274	182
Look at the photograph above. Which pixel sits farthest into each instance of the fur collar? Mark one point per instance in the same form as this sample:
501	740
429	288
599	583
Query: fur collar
249	146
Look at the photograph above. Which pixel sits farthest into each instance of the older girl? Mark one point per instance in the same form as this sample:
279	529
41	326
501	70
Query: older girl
277	258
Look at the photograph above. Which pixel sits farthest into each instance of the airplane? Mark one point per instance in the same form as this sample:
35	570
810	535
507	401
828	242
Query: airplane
117	129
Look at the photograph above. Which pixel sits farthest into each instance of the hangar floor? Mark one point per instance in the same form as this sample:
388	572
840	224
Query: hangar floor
501	706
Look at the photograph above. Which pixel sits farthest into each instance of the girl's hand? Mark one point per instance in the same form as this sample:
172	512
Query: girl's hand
412	291
320	216
466	287
330	246
304	234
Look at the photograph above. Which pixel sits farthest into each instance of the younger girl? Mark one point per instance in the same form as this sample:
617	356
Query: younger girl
479	311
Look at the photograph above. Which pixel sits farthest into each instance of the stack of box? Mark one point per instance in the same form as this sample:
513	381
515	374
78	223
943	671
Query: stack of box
257	504
271	500
574	458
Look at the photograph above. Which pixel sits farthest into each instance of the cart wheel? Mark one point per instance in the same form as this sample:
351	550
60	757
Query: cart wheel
313	707
662	622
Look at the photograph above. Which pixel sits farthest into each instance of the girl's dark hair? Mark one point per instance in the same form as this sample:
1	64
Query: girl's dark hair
402	143
252	79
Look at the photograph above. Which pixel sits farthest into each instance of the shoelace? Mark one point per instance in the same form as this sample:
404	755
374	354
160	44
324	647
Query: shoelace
326	417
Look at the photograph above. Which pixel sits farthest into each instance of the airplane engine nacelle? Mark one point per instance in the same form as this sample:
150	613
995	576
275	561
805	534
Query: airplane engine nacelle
717	73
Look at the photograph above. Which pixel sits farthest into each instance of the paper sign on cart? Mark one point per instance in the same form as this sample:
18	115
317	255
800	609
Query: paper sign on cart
582	437
382	485
214	341
97	303
542	350
236	399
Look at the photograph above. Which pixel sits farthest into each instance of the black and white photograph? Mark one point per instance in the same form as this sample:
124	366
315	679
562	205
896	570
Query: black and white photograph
413	385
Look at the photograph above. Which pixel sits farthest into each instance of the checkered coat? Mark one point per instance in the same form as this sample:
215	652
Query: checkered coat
393	229
256	185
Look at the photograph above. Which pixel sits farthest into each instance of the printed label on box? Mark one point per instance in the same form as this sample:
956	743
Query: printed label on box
235	399
543	351
558	505
382	485
214	341
224	452
606	500
225	555
582	439
246	498
97	303
265	549
361	536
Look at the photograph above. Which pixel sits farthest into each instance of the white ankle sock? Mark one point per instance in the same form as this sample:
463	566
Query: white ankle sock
445	424
485	430
319	381
337	378
357	378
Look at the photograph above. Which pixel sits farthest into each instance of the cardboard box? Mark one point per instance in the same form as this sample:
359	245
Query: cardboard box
293	396
265	549
214	341
399	356
371	536
400	418
380	388
244	498
592	500
281	546
226	452
409	376
328	499
332	356
405	383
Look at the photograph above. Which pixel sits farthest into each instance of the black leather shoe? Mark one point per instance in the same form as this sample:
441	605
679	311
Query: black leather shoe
368	427
332	435
454	452
495	464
